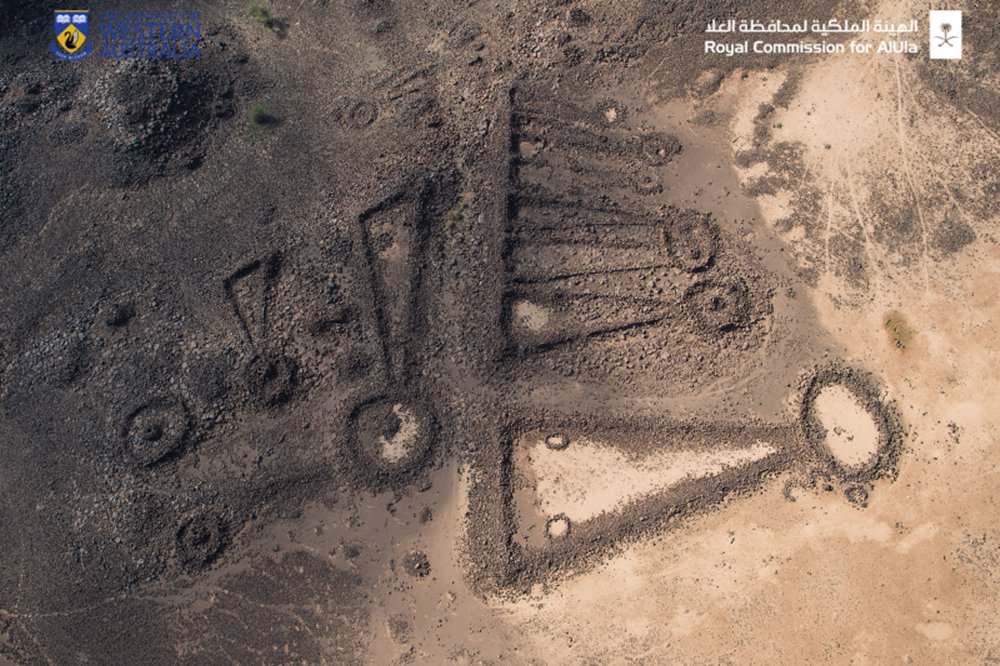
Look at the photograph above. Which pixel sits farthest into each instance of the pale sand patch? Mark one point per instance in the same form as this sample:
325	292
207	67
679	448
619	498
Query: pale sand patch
530	316
844	522
589	478
851	434
393	252
557	528
754	171
775	206
400	445
528	149
684	622
936	631
922	533
638	627
794	235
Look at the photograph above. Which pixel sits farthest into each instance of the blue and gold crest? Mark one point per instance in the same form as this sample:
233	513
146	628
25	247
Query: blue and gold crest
71	33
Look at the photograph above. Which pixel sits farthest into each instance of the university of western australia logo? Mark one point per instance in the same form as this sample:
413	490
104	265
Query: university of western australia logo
71	34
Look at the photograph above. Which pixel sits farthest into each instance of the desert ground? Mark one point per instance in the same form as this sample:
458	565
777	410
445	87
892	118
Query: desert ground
396	332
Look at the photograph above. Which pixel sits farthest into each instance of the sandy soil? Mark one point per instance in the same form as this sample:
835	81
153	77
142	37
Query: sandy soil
590	478
851	435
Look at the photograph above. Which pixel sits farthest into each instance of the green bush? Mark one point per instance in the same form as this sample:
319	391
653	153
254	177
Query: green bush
899	331
260	116
455	217
262	15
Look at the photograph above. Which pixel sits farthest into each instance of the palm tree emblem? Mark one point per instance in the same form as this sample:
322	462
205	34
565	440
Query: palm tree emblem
945	39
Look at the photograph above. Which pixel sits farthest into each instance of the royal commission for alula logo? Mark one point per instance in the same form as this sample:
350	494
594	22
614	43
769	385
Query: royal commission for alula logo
946	34
133	34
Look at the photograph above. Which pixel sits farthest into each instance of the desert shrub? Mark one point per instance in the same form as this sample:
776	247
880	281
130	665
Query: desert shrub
898	329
